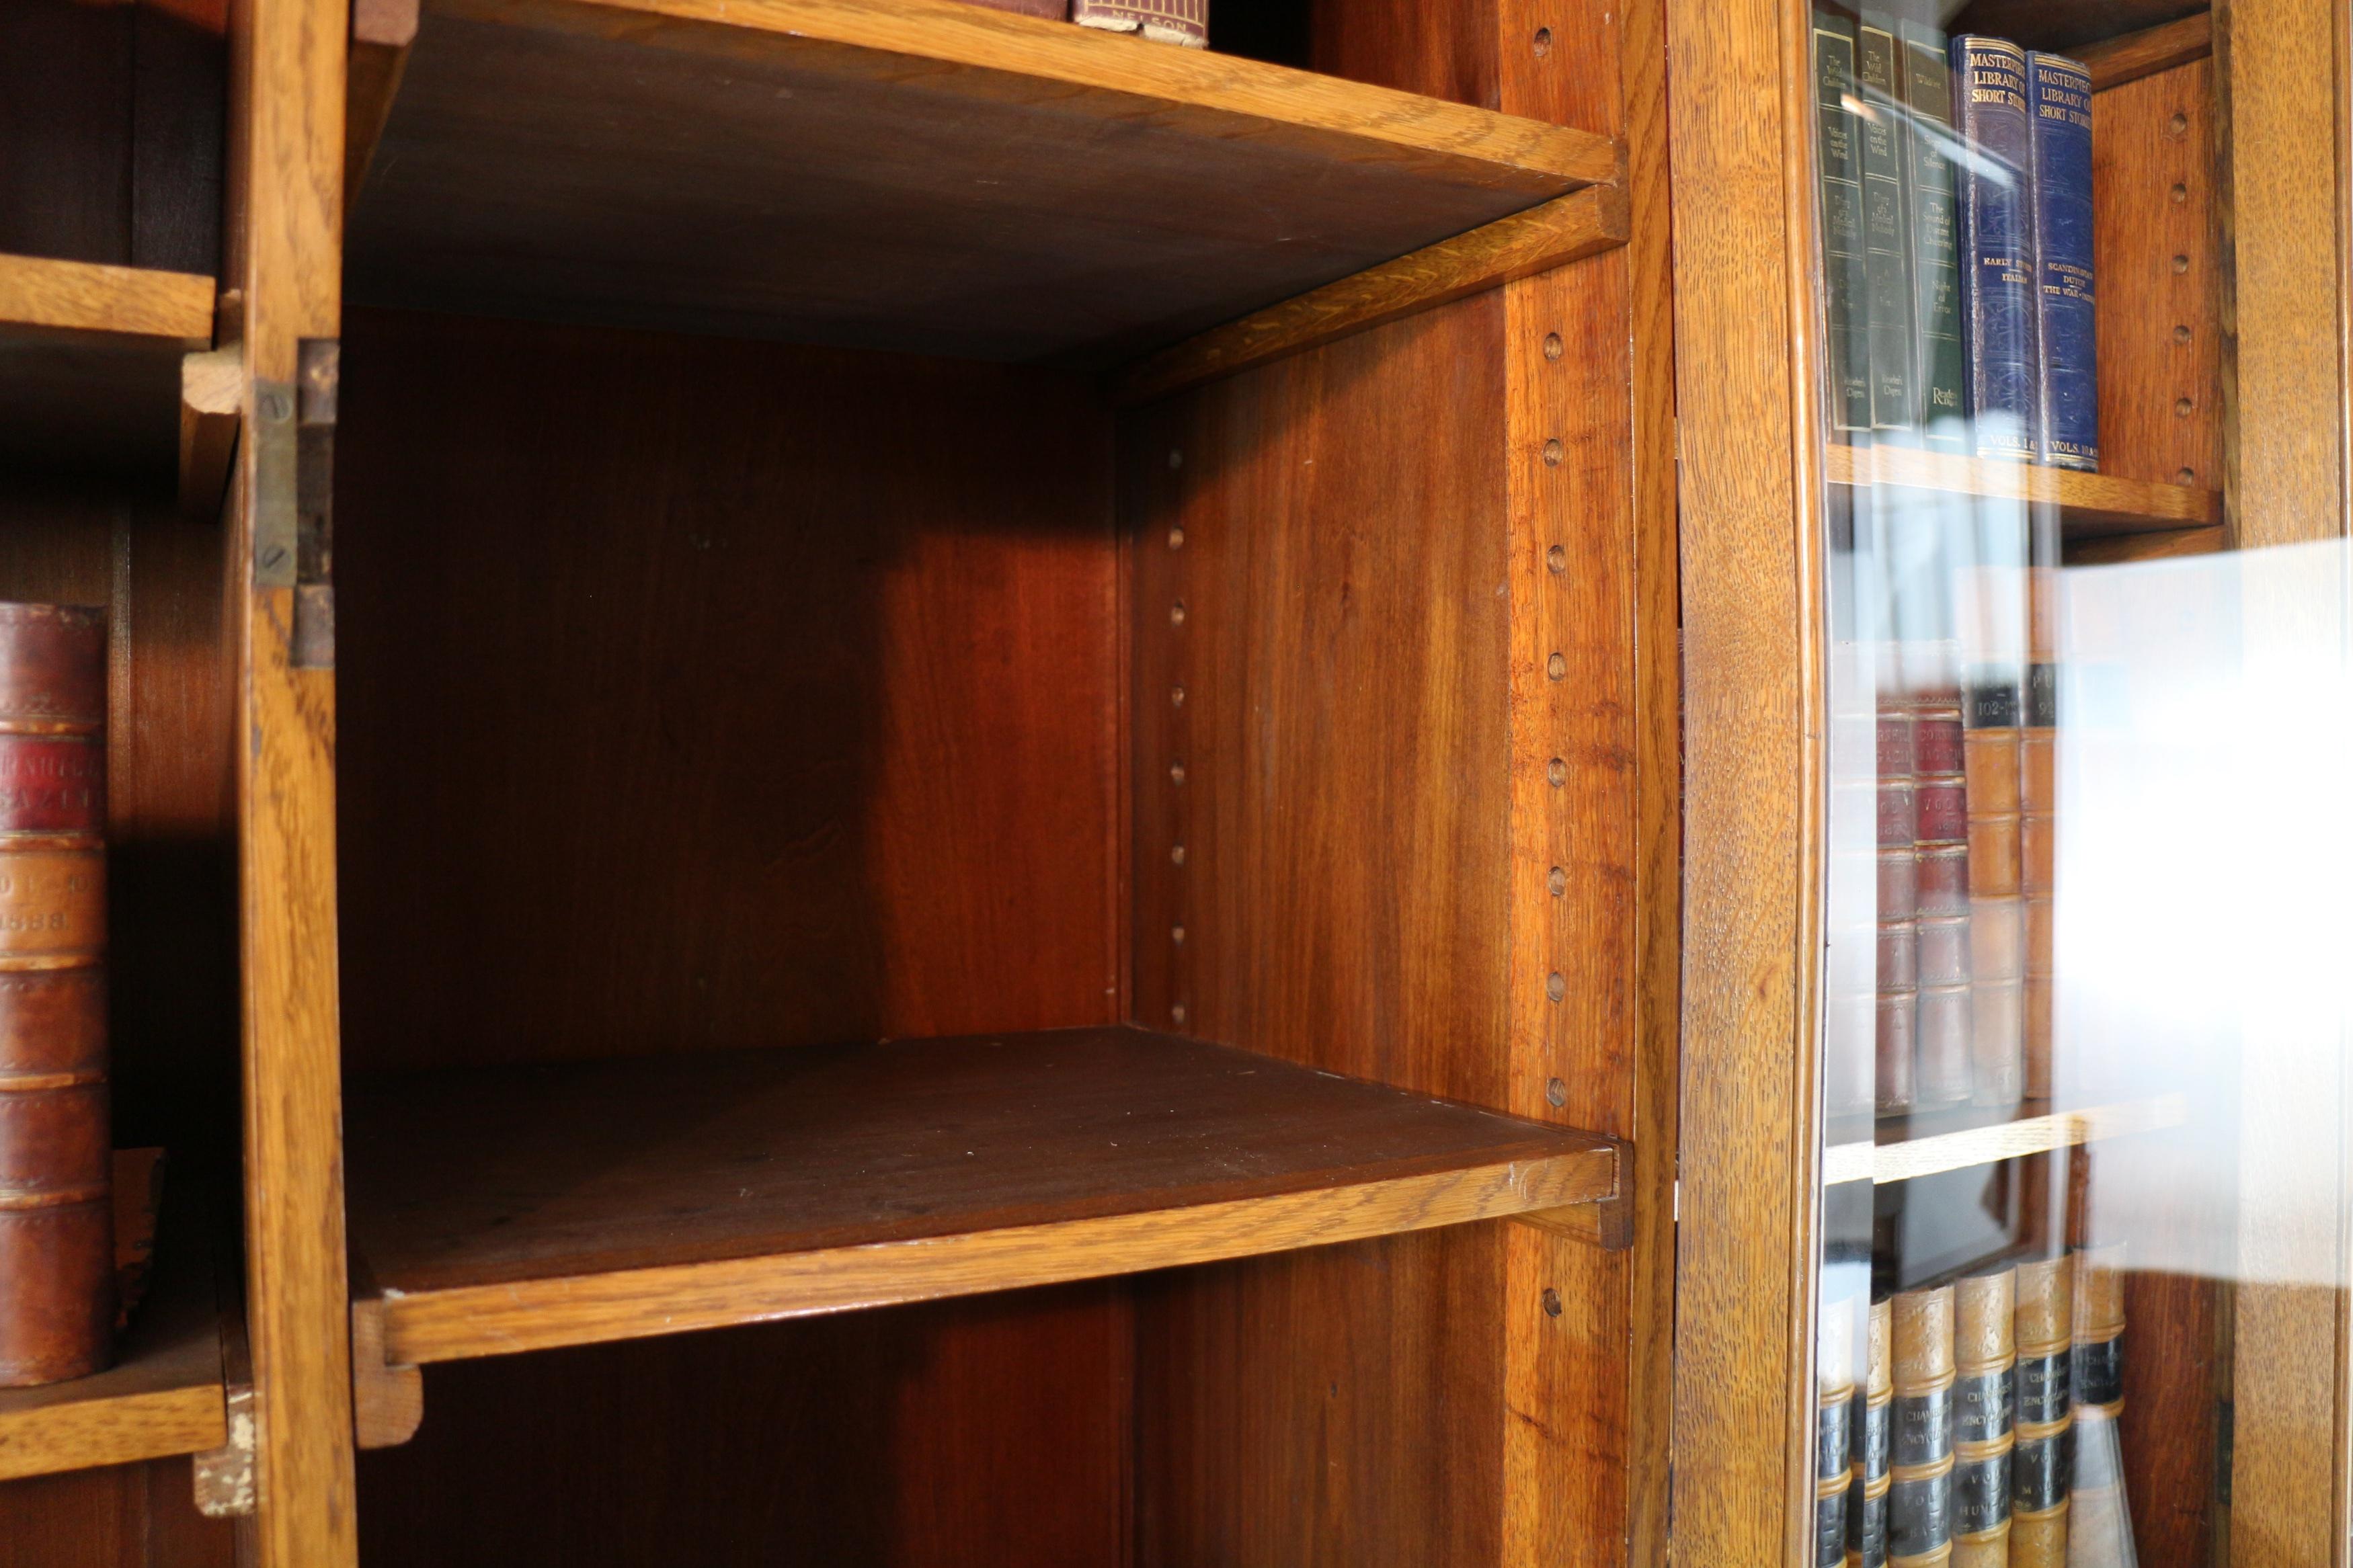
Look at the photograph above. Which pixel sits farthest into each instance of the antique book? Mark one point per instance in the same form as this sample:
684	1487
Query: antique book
2038	801
1886	229
1993	612
2067	398
1846	326
1985	1394
1930	145
1896	1032
57	1243
1184	22
1997	244
2040	1464
1866	1509
1941	1075
2100	1525
1833	1439
1920	1498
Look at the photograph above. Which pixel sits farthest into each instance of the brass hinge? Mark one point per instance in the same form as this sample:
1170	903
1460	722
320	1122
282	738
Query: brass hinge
295	497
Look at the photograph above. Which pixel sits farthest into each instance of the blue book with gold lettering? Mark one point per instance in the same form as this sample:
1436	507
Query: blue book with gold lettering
1995	213
2067	432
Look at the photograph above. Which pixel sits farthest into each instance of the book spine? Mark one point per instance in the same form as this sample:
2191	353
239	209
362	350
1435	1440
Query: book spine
1867	1501
2042	1464
2067	424
1896	1032
56	1246
1997	267
1886	228
1993	616
1920	1498
1985	1396
1184	22
1833	1433
2100	1531
1846	326
1930	140
2038	822
1940	796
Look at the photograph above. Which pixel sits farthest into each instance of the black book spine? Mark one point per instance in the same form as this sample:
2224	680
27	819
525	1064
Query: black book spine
1843	269
1886	229
1935	238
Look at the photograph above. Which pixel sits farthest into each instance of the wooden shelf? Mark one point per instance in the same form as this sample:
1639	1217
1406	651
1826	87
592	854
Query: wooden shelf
163	1397
522	1208
925	174
89	362
2089	504
1924	1145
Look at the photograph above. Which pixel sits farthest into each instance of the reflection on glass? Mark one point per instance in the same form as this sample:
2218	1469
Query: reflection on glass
2083	998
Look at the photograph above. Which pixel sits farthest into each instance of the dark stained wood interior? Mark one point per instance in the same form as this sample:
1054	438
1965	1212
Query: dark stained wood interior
2067	24
996	209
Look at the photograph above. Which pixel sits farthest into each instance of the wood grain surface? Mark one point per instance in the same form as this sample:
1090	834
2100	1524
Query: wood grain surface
2156	243
161	1395
963	181
286	108
2089	504
1565	229
123	301
1747	349
2068	24
2131	55
525	1208
806	657
1923	1145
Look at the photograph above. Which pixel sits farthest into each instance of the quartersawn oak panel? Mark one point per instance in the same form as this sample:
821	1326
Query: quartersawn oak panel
530	1207
957	181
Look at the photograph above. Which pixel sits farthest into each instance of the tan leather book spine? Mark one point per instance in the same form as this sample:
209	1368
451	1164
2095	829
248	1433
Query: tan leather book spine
56	1246
1985	1394
2038	823
2043	1327
1833	1431
1184	22
1992	606
1920	1501
1866	1537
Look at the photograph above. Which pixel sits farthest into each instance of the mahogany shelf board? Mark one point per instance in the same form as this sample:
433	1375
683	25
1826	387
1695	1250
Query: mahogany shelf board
2089	504
1929	1142
89	362
162	1396
521	1208
927	175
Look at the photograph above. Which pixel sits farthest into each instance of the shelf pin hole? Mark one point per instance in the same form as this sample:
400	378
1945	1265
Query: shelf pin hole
1556	667
1175	539
1551	345
1552	452
1557	559
1556	986
1177	613
1177	935
1175	773
2181	335
1557	772
1543	42
1555	1092
1551	1302
1557	880
2181	408
2181	264
1176	1012
1177	855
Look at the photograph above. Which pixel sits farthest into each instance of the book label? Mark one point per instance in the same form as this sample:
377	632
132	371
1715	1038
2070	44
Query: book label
1872	1455
2100	1371
1832	1440
1981	1494
1982	1405
2042	1389
52	784
1829	1528
1924	1427
2038	1471
52	901
1919	1514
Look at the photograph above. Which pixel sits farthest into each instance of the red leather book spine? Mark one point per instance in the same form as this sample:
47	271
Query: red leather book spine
1942	1076
57	1244
1183	22
1899	910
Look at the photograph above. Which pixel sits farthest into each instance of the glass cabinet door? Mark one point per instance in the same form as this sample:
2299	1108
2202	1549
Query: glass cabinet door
2081	1020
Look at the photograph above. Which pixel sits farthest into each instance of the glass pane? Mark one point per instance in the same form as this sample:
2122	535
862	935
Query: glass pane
2082	1010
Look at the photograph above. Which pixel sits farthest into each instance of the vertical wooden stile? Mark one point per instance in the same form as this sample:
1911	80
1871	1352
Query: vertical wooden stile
284	235
1747	338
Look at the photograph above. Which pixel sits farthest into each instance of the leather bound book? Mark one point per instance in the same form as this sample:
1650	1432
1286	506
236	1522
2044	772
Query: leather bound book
1886	229
1920	1499
1992	605
1846	313
1866	1509
2067	398
1184	22
1941	1075
2099	1527
1899	926
1833	1432
2037	799
1935	260
1985	1394
57	1244
1995	212
2041	1465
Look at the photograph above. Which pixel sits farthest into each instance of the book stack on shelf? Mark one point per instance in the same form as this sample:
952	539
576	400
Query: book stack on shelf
1957	239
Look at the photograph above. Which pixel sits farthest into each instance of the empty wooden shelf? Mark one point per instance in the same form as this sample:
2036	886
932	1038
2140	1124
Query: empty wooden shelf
90	360
926	175
2088	503
163	1396
522	1208
1932	1141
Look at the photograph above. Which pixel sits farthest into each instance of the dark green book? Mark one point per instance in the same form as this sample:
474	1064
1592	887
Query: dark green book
1936	240
1846	322
1886	231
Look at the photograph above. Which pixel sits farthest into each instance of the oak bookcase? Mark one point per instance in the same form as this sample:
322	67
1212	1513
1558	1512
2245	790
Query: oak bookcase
912	785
